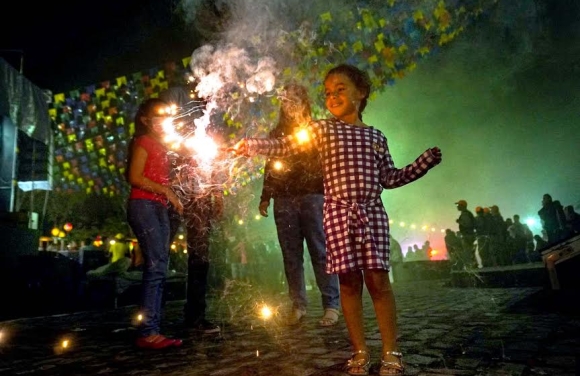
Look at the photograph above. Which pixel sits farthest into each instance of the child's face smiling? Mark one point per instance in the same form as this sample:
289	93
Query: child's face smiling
342	98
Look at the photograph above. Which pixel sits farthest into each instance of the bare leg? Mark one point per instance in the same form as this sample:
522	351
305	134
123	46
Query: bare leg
379	287
351	284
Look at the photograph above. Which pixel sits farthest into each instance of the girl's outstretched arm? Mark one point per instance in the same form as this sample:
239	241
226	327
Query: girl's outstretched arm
392	177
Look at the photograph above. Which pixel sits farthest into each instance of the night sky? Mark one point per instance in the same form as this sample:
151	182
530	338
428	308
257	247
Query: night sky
502	101
70	44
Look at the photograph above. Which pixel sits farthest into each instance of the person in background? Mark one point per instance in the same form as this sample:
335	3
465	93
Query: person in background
295	184
572	221
498	237
87	245
118	248
453	245
466	222
553	219
519	233
357	166
202	206
541	245
395	258
482	233
147	213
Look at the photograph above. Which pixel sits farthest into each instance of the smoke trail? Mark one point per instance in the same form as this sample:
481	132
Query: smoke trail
253	48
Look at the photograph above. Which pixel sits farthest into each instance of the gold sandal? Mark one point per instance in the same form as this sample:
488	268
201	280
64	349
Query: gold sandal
387	368
363	364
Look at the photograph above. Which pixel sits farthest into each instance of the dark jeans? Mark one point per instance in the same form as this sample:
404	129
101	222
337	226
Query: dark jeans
149	221
467	257
198	222
299	219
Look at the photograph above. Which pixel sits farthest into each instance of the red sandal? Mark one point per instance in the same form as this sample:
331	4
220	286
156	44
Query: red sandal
157	342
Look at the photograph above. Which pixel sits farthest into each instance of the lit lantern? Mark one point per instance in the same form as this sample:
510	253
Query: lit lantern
55	231
68	227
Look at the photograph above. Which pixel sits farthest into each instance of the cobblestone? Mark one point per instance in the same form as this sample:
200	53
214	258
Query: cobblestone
442	331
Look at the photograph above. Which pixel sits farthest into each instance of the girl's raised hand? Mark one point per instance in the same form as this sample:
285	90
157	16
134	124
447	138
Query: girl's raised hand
436	154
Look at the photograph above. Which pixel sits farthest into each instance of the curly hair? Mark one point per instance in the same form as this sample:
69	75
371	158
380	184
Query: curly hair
359	78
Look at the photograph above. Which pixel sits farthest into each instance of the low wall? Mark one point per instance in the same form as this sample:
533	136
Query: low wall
409	271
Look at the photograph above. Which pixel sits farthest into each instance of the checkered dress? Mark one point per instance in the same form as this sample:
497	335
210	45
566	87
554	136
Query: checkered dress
357	166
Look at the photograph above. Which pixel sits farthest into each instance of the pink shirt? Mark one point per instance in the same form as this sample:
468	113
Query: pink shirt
157	168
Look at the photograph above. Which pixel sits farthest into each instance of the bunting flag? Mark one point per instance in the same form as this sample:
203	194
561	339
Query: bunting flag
93	125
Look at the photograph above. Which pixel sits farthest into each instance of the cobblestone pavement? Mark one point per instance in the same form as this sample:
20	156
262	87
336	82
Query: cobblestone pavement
442	331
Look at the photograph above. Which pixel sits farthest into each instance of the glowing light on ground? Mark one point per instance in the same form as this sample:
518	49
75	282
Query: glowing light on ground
266	312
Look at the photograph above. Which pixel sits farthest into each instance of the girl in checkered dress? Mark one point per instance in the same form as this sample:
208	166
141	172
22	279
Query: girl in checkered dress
357	167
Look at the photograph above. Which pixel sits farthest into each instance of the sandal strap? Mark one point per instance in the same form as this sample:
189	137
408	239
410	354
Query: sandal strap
392	365
364	362
398	365
398	354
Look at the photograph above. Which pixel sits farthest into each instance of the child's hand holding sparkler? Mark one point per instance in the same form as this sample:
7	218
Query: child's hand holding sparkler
240	148
174	200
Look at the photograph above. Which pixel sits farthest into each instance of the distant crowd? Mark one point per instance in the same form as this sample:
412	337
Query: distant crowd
499	242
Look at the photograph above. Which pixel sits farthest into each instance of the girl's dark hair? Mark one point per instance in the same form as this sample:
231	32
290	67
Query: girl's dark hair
148	108
359	78
295	107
